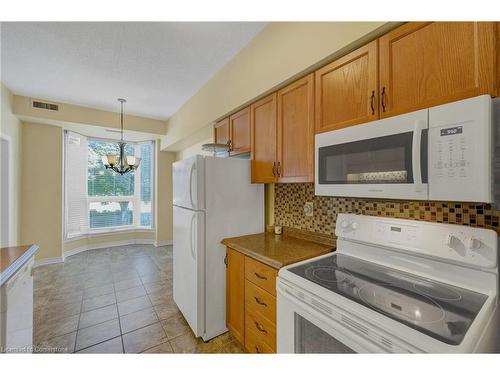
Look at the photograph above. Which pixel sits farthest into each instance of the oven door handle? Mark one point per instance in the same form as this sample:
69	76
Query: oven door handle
420	125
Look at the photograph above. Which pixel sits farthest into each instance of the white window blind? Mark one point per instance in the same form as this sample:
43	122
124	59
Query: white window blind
75	173
111	201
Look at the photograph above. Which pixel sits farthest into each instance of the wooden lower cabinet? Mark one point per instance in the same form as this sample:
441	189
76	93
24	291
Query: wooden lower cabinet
235	293
254	344
262	329
260	301
261	275
251	302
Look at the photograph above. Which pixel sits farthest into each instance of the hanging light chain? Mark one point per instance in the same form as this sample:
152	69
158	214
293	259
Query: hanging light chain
122	166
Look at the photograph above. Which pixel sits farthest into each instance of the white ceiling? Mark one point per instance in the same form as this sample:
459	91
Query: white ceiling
156	66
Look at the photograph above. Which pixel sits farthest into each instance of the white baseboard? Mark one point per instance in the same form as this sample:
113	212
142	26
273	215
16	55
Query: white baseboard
47	261
103	245
163	243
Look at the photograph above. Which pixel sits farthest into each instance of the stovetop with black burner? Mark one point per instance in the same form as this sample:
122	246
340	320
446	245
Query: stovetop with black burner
439	310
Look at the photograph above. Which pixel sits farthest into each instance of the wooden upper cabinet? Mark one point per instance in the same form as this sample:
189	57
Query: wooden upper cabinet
221	131
296	131
239	131
235	293
347	90
423	64
264	139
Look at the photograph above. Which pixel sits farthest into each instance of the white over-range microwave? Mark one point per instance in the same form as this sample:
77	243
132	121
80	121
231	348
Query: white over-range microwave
440	153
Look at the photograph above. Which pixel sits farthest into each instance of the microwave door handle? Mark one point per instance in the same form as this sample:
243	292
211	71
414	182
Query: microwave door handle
420	125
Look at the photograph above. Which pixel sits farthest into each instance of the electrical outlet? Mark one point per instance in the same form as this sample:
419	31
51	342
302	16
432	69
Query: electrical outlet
309	209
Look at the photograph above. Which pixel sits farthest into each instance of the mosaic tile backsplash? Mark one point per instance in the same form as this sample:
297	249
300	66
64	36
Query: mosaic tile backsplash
289	202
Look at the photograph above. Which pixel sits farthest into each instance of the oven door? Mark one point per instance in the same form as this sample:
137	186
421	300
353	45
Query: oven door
303	329
380	159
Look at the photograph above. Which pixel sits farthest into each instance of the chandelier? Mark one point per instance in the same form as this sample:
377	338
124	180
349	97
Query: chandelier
121	163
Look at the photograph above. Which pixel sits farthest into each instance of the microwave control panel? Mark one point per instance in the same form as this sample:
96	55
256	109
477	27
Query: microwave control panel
460	151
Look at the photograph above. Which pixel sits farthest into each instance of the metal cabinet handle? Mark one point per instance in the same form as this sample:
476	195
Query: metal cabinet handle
372	102
274	169
383	99
259	327
230	145
260	302
260	276
278	169
225	260
257	350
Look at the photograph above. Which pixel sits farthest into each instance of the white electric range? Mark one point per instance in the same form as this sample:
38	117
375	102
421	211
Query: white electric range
393	286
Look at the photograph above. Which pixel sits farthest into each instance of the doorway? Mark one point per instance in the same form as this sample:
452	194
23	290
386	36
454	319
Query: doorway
4	191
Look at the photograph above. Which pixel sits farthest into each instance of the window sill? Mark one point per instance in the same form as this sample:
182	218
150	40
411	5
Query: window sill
108	232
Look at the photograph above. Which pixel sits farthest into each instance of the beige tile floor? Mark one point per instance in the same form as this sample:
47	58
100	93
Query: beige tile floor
114	300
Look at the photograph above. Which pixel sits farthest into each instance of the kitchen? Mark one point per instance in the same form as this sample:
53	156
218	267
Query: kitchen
310	188
401	128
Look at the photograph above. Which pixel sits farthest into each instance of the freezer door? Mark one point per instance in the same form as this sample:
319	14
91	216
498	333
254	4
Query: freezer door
189	270
188	183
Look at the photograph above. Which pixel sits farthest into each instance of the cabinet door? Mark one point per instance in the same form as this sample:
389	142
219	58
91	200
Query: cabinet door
235	293
263	140
239	131
221	131
423	64
347	90
296	131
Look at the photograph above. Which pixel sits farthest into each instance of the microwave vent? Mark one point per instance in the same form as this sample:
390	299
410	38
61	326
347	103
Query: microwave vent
46	106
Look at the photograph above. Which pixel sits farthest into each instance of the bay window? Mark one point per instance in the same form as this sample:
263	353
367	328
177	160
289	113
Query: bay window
100	200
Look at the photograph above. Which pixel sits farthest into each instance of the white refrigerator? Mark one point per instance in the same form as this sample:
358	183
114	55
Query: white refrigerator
213	199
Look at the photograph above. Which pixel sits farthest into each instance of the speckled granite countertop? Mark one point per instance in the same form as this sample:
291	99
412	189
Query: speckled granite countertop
276	250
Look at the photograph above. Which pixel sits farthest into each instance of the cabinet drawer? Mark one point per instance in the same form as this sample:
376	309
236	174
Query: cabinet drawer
258	300
261	275
263	330
254	345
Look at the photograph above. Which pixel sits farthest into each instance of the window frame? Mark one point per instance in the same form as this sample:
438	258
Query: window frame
135	199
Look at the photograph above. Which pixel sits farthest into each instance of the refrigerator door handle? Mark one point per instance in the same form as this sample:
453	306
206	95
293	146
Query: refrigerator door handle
193	169
192	234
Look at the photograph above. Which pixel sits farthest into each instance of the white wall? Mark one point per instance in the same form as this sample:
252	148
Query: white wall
279	53
10	128
194	150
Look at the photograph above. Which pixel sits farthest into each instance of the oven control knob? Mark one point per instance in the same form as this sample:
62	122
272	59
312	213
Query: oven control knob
473	243
344	224
354	225
450	240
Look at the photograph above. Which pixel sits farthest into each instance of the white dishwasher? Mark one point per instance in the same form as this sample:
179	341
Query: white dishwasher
16	311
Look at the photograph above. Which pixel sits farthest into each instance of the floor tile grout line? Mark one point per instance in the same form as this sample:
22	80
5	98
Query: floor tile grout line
119	322
133	312
158	275
102	342
100	307
98	343
79	317
78	326
156	313
153	307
